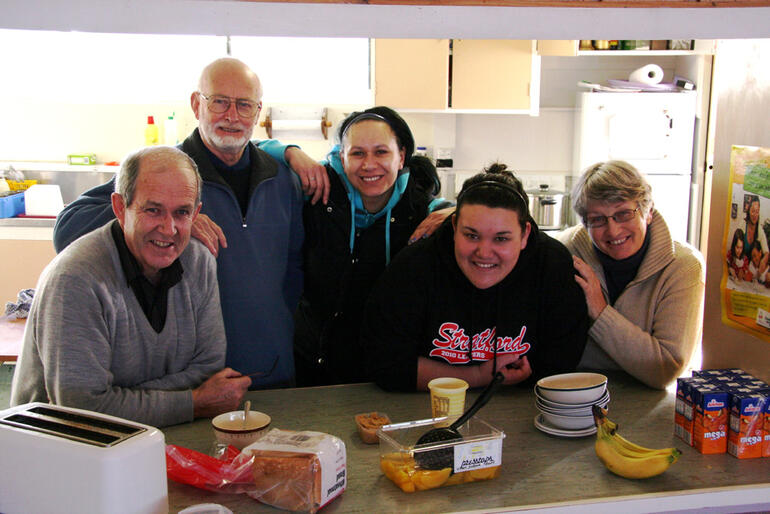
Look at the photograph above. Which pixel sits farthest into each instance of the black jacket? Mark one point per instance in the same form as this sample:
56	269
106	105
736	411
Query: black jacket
337	283
423	305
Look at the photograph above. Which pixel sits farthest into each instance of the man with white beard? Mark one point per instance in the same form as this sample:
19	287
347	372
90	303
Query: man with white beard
251	219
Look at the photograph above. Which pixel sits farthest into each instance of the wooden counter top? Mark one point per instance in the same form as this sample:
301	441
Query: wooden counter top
537	469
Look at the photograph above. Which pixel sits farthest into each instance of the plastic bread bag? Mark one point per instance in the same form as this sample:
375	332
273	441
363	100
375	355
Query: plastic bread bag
297	471
229	474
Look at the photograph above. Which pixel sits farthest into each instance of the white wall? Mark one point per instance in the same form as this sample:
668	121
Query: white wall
36	131
111	129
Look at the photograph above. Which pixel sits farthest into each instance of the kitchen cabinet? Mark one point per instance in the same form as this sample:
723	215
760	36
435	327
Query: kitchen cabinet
411	73
557	47
22	259
486	75
571	48
491	74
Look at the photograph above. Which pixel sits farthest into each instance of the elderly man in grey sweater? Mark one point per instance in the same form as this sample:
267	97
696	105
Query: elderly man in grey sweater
127	321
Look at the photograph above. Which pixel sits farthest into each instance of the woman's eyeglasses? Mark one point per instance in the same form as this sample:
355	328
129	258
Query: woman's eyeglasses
619	217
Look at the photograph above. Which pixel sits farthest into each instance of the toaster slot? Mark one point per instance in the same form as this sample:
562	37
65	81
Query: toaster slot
87	421
74	426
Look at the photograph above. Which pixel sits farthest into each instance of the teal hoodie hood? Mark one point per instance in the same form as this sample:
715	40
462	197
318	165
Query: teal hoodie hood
363	219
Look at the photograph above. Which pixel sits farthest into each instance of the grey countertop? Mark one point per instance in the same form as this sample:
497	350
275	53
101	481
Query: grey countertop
537	468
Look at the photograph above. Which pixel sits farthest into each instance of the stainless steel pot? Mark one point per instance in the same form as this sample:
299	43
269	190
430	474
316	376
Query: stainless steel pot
548	208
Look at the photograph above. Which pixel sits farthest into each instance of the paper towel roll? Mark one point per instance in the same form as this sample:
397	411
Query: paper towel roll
649	74
297	129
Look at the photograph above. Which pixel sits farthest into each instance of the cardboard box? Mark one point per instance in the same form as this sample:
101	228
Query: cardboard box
86	159
747	420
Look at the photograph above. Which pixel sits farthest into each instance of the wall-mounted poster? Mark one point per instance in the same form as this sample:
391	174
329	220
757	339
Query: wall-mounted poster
746	279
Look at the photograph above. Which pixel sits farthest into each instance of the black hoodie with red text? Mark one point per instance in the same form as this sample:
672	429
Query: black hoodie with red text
423	305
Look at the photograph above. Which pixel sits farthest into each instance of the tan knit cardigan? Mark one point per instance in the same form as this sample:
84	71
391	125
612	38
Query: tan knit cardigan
656	322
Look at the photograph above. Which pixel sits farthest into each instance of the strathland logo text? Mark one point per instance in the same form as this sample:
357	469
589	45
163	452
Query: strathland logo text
452	344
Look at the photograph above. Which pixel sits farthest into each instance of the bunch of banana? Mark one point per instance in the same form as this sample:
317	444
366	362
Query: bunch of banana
625	458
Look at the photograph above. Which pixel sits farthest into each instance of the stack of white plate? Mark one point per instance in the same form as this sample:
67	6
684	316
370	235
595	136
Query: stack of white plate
565	403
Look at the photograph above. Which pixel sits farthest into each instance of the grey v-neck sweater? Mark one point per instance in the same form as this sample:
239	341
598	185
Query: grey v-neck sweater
89	345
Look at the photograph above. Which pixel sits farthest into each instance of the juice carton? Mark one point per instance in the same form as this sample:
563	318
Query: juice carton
709	373
680	426
710	403
683	412
725	380
766	435
757	388
724	372
747	413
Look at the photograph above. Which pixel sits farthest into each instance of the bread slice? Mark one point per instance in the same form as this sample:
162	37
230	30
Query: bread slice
298	471
288	480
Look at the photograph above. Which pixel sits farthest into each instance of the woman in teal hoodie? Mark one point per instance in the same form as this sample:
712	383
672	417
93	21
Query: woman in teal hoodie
380	193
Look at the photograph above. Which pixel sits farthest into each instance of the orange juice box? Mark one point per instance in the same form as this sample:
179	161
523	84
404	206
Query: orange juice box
719	374
711	407
766	435
757	386
683	411
747	421
727	381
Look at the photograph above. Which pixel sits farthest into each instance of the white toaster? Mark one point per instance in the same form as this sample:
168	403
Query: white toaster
64	460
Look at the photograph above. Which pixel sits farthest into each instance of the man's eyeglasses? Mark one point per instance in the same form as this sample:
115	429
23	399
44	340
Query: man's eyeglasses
619	217
219	104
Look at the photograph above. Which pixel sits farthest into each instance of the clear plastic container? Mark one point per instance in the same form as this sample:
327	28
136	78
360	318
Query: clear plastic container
418	467
368	423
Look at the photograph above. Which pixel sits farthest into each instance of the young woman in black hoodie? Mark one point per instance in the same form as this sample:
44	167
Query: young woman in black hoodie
488	289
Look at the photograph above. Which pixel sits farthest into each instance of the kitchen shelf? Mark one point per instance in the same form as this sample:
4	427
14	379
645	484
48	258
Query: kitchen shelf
640	52
56	166
451	110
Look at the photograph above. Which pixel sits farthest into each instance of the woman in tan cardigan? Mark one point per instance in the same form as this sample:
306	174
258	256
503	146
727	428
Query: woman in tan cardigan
644	291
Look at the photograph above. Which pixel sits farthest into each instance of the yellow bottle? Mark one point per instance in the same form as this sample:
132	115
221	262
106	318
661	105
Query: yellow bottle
151	132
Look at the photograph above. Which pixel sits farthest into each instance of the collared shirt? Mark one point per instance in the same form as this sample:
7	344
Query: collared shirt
152	298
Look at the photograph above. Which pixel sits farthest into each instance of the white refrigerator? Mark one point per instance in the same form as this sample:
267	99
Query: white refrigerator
652	131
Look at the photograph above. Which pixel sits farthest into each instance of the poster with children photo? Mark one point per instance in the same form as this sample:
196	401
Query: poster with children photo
745	282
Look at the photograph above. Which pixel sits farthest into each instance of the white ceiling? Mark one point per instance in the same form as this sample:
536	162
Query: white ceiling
222	17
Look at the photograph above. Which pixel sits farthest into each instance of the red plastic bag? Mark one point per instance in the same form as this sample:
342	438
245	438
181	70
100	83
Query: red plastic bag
229	474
